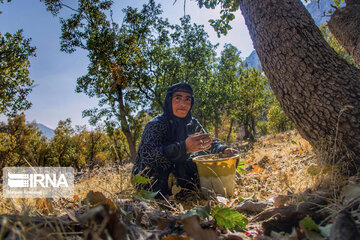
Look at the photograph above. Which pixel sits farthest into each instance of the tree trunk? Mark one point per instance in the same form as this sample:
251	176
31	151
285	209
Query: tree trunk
246	129
252	128
125	125
230	130
216	129
344	24
317	89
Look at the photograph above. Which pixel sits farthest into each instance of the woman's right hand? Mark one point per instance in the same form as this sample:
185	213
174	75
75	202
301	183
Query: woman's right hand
198	142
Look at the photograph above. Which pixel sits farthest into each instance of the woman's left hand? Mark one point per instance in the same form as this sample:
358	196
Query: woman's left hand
230	151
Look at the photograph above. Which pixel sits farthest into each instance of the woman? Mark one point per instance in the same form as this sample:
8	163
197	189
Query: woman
170	140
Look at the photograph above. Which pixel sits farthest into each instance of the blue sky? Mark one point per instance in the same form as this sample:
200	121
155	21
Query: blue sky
55	72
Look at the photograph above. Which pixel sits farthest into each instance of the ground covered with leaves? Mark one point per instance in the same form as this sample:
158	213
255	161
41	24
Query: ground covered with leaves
282	192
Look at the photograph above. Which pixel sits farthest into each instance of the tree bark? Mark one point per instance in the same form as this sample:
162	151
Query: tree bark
216	129
230	130
344	24
317	89
125	125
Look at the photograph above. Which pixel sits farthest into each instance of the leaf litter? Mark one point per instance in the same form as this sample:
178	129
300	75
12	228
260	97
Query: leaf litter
282	192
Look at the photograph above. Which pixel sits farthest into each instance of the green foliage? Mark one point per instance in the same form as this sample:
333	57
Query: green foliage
241	166
252	99
2	1
228	218
277	120
138	179
15	85
79	147
310	224
221	25
22	143
120	56
202	211
262	128
147	194
331	40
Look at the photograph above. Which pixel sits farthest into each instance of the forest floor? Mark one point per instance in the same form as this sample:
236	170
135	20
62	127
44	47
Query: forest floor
282	192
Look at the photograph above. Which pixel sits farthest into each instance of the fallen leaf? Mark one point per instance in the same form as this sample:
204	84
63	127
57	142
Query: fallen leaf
201	211
148	194
175	189
307	225
329	169
228	217
97	198
222	200
194	230
257	169
233	237
71	214
138	179
174	237
350	191
44	205
94	198
162	223
313	170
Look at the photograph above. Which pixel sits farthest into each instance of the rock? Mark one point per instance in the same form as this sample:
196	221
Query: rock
344	228
252	207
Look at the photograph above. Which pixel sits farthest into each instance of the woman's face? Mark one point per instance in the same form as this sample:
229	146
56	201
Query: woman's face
181	104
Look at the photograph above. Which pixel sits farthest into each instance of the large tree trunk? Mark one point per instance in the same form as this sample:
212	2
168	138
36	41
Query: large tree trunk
318	91
345	26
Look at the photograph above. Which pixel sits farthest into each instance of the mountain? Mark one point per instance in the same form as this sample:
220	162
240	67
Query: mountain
47	132
253	61
317	10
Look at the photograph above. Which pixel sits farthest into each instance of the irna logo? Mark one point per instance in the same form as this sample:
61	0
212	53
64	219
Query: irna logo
35	180
38	182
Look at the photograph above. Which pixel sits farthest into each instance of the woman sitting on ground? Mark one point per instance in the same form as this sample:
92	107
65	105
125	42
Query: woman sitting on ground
171	140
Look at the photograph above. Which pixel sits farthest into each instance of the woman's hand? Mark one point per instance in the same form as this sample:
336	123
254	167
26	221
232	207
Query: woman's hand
197	143
230	151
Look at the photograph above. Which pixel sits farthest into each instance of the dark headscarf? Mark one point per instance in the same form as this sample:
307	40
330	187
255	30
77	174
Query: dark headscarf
177	125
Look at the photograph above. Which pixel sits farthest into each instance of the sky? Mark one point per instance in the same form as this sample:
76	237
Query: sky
53	98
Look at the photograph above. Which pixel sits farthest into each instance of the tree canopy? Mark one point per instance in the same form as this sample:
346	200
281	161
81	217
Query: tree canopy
15	83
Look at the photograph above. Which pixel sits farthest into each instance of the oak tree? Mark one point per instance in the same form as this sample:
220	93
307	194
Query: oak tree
317	89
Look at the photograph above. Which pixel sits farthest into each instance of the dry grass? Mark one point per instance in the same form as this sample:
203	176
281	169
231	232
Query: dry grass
286	171
113	182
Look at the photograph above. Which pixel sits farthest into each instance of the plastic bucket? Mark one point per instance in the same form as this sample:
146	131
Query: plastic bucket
217	175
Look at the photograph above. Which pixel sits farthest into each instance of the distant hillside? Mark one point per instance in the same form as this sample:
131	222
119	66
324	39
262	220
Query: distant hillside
47	132
317	10
253	61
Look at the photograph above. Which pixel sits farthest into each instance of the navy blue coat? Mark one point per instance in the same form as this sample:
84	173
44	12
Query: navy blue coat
158	155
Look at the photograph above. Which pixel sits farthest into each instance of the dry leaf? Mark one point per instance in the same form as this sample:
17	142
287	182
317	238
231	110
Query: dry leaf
71	214
309	233
162	223
175	189
94	198
300	151
233	237
44	205
174	237
97	198
257	169
194	230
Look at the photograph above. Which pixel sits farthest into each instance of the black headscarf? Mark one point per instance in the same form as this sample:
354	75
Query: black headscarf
177	125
